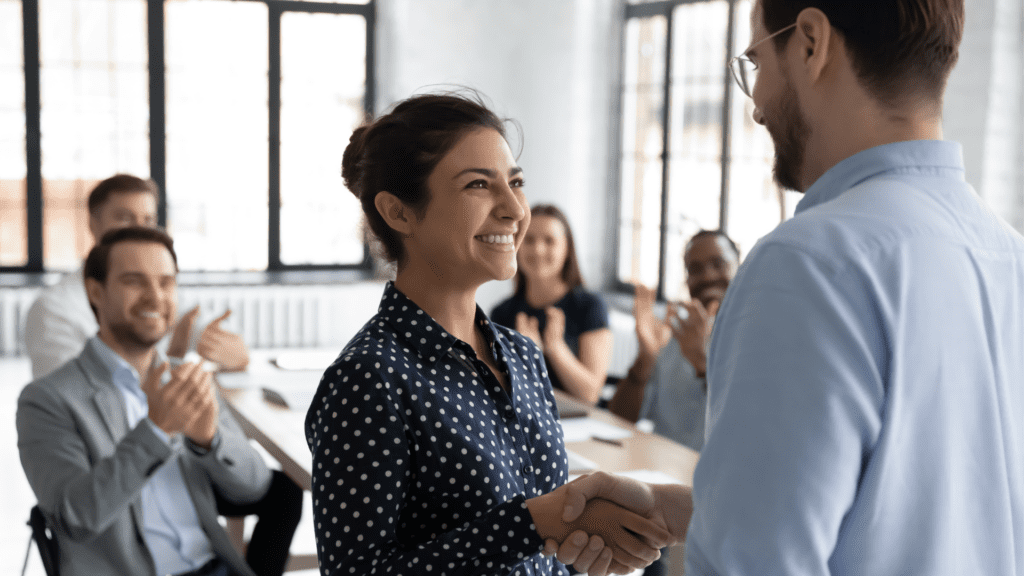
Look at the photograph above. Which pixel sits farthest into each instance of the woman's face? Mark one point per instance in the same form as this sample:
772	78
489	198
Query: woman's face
477	215
545	249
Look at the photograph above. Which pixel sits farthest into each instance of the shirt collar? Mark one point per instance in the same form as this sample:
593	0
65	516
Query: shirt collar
124	375
910	157
421	332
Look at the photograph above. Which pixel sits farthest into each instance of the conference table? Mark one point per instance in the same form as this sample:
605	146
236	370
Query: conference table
270	400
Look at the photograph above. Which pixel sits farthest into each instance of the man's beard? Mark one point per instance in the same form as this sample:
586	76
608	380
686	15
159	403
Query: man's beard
790	143
132	339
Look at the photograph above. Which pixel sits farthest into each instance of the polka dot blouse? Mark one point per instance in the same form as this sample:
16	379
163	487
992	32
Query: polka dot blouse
422	462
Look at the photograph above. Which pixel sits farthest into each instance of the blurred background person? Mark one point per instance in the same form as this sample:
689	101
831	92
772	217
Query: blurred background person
60	322
667	382
550	306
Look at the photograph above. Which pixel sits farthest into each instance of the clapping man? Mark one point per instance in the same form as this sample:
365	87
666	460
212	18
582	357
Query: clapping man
131	459
667	382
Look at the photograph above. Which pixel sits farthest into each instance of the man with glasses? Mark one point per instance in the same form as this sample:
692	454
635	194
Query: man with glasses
866	409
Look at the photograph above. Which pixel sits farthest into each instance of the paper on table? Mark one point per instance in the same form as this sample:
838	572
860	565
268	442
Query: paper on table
580	429
578	463
650	476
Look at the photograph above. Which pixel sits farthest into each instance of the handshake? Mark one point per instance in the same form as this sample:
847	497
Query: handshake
607	524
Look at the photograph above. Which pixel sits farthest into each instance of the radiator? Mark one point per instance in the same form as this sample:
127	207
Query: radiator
275	316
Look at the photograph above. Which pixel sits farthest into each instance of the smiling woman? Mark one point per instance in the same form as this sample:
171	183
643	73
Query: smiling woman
435	440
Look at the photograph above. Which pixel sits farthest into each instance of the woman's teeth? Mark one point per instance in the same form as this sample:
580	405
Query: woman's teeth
496	238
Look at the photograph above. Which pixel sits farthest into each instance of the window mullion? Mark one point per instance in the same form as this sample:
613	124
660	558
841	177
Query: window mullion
157	104
274	163
33	146
665	155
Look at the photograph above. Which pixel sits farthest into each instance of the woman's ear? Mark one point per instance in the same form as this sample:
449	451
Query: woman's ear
396	215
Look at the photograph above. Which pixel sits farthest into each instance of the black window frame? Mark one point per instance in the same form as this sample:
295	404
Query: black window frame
157	121
666	8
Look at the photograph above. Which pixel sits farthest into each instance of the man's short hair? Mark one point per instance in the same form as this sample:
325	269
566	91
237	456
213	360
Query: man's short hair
718	232
119	184
97	263
898	48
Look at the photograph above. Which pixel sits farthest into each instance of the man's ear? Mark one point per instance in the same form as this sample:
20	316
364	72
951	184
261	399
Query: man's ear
395	214
95	291
94	228
815	37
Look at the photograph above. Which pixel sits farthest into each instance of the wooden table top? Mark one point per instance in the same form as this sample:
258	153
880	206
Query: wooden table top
280	431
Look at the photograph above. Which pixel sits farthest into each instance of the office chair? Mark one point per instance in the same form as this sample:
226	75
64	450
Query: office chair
44	540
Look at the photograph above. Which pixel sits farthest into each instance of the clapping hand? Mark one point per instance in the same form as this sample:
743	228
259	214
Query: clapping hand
652	334
225	348
530	327
554	328
186	404
693	332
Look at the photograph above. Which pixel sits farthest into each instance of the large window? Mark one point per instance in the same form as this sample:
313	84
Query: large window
239	110
690	156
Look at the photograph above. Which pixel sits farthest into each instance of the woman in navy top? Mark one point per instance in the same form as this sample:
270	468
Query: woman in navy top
436	446
551	307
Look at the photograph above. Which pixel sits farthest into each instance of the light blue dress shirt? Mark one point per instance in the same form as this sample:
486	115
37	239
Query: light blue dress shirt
172	530
866	384
675	399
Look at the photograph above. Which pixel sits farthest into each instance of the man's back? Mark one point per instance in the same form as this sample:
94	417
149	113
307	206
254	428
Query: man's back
865	385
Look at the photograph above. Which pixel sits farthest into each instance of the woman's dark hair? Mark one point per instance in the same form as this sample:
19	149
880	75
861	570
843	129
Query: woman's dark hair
899	48
571	269
397	152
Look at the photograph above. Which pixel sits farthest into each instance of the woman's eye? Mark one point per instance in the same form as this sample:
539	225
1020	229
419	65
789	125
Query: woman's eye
477	184
518	183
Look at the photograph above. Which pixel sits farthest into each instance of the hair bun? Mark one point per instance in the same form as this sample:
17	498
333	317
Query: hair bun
352	161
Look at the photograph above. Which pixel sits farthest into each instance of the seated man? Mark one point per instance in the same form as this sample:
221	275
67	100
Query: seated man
59	321
130	459
666	383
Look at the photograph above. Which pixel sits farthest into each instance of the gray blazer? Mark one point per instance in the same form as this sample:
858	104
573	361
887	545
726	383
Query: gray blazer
87	470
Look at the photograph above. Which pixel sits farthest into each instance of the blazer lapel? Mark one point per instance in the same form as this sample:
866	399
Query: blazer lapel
108	401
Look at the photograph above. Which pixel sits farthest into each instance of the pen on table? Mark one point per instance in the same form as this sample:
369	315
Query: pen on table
608	441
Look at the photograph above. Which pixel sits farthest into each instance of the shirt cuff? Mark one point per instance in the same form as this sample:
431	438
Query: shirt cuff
164	436
199	450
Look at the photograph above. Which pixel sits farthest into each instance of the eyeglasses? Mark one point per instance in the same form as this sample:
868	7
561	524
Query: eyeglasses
744	70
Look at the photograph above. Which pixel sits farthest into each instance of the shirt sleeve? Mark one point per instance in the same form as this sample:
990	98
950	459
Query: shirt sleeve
504	314
795	399
51	337
593	313
364	491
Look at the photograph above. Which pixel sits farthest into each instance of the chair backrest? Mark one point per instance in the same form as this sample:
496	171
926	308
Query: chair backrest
45	541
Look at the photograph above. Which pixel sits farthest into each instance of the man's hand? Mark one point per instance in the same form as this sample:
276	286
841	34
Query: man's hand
178	346
693	332
651	333
225	348
670	505
186	404
633	540
530	327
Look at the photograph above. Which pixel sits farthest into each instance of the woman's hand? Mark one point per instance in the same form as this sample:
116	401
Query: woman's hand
530	327
634	541
554	330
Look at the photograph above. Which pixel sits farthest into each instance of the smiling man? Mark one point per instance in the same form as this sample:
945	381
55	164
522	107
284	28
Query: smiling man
866	414
667	382
131	461
865	400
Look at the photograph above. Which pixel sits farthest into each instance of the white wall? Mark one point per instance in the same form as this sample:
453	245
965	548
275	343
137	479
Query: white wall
553	66
550	64
984	106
